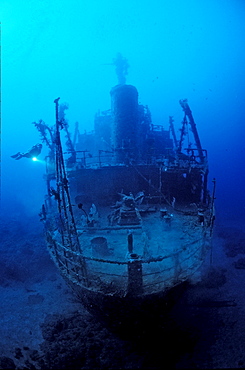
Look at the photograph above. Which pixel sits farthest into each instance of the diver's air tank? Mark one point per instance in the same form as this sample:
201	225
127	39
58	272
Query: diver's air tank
125	117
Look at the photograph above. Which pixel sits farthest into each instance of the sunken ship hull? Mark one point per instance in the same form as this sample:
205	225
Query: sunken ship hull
128	217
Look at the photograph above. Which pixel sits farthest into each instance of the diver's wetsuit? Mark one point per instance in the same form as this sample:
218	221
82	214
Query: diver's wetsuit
33	152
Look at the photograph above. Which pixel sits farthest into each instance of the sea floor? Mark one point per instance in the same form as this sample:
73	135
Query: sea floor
43	326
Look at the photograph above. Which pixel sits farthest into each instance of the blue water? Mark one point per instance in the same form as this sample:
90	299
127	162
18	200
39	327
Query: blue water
176	49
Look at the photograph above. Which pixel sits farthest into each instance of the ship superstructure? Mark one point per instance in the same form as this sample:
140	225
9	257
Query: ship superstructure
128	214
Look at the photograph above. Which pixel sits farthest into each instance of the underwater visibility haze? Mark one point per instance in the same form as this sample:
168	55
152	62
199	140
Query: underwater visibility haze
175	50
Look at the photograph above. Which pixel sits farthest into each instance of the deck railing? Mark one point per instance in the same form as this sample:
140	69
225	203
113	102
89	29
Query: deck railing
132	276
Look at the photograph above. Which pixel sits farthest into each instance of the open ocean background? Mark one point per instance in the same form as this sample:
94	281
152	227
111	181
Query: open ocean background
176	49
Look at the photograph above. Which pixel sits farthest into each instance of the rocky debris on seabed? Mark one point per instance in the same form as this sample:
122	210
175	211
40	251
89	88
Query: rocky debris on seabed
213	277
205	328
239	264
23	359
79	341
234	240
75	341
7	363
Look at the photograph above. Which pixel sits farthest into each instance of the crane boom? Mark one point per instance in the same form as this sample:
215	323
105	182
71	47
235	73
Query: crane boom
188	113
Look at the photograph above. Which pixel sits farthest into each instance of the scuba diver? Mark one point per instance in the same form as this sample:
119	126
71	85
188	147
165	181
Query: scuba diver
32	153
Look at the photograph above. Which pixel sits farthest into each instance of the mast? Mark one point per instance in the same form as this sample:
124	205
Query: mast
182	134
69	143
76	132
68	228
188	113
171	126
122	65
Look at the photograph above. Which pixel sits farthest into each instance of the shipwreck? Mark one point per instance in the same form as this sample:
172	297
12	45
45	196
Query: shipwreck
128	215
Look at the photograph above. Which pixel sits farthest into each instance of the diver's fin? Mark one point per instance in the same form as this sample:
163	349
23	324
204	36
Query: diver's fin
15	155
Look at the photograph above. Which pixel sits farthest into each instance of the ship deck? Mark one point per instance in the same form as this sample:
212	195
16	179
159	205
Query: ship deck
154	236
169	244
156	249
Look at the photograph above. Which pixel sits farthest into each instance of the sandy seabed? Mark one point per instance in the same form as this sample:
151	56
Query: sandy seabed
43	326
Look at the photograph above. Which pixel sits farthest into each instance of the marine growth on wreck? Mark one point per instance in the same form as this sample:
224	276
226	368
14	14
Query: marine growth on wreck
127	211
